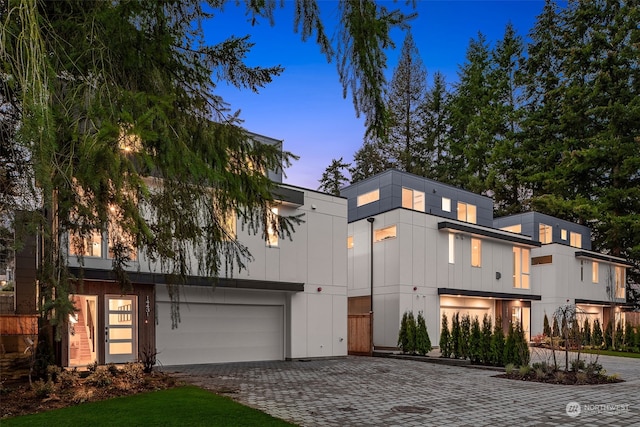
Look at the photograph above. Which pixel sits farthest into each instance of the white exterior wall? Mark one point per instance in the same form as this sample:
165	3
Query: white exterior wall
419	258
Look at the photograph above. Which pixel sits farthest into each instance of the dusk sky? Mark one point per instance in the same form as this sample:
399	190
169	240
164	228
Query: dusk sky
304	106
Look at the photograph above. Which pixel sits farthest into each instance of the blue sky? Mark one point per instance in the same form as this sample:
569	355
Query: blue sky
304	106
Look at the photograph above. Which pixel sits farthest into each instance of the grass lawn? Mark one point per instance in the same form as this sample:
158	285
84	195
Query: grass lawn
612	353
181	406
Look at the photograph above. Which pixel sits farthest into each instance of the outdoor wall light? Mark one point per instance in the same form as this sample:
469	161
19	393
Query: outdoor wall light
498	275
319	289
415	288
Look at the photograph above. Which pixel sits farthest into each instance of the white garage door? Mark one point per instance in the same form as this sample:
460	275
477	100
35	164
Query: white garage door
216	333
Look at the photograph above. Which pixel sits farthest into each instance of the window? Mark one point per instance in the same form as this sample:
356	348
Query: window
384	233
452	248
563	234
594	272
576	239
466	212
521	260
119	240
90	245
349	242
476	252
272	234
545	259
513	228
545	233
227	220
369	197
620	291
128	142
446	204
412	199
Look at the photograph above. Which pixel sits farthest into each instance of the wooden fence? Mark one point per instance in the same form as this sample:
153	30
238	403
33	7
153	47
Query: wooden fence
359	340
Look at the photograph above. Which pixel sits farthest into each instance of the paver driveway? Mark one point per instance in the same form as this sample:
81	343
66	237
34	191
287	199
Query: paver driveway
363	391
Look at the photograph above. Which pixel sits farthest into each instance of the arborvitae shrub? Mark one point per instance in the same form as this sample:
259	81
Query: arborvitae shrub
619	337
628	337
485	344
455	336
608	336
445	338
586	332
522	353
465	335
597	338
423	342
403	337
475	341
546	329
510	347
556	329
497	344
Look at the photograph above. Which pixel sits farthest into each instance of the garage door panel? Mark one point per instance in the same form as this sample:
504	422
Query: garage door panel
215	333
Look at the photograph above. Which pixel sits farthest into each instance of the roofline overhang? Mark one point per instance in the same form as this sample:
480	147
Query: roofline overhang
619	304
161	279
487	233
485	294
602	257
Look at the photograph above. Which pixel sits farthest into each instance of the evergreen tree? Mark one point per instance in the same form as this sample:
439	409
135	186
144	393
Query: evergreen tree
555	331
628	337
510	350
597	339
455	337
431	150
465	336
522	353
445	338
368	161
333	177
586	332
618	337
485	345
423	342
403	334
406	95
608	336
546	329
475	341
497	344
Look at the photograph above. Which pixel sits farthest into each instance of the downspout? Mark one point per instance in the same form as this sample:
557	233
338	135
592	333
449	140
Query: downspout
370	220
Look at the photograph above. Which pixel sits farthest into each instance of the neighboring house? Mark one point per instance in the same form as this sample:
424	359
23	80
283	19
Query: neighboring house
418	245
289	303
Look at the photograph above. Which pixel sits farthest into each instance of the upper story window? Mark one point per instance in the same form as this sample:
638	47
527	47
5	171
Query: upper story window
594	272
384	233
466	212
446	204
513	228
349	242
370	197
563	234
272	234
521	262
620	282
89	246
545	233
128	142
120	242
576	239
476	252
412	199
452	248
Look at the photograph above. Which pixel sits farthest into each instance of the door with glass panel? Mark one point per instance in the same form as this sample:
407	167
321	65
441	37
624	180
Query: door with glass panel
120	332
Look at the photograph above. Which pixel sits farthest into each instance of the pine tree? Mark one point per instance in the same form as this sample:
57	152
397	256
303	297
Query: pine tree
406	95
445	338
333	177
423	342
368	161
431	151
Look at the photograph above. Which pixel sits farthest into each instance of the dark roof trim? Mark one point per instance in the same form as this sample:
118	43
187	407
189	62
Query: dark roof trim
603	257
620	304
158	279
485	294
289	195
448	225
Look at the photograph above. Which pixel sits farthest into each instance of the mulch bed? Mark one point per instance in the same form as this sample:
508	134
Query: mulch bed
561	377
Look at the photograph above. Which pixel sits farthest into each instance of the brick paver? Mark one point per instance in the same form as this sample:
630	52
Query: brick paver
363	391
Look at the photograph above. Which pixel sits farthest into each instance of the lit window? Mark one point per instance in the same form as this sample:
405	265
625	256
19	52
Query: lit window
90	245
128	142
452	248
544	233
369	197
594	272
384	233
576	239
227	221
620	291
563	234
521	261
272	234
467	212
513	228
350	242
412	199
118	238
446	204
476	252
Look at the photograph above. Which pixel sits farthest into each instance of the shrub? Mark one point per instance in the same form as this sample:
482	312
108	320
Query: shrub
113	369
465	336
628	337
407	333
522	346
485	343
559	376
593	368
596	337
497	345
509	354
524	370
423	342
455	336
445	338
608	336
68	378
581	378
148	359
43	388
618	337
546	329
578	365
133	372
555	332
540	373
475	341
509	368
586	332
101	377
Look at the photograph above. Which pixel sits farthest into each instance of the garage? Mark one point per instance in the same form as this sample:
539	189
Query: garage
218	333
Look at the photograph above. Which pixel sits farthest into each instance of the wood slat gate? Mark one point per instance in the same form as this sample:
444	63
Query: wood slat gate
359	340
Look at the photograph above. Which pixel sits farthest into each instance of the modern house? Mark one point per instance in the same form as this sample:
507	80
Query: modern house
418	245
289	303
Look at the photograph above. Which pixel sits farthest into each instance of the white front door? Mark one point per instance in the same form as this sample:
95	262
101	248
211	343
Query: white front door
120	332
